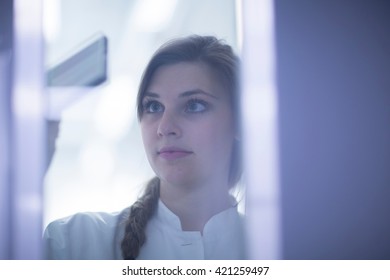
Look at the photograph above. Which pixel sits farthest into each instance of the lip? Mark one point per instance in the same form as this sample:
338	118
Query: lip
172	153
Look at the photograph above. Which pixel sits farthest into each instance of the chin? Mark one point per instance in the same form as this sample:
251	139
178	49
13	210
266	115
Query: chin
181	180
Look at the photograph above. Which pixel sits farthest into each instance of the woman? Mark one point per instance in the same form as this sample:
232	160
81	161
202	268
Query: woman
187	108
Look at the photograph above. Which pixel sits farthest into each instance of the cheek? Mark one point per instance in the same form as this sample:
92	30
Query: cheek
147	134
216	136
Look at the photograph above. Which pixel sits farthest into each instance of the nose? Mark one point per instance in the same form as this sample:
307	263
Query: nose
168	125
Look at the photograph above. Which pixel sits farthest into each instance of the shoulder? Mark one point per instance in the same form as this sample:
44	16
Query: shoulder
87	219
78	236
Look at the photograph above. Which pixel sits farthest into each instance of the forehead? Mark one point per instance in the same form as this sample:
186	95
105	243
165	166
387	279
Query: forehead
185	76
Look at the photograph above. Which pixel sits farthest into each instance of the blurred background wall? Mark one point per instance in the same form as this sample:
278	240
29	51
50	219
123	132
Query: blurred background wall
334	109
6	43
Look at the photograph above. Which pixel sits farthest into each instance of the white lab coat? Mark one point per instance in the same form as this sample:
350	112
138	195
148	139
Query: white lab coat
99	235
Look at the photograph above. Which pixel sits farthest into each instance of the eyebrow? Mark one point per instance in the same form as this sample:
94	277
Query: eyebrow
184	94
197	91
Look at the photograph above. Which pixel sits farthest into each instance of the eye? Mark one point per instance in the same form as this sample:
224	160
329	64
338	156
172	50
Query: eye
153	106
196	106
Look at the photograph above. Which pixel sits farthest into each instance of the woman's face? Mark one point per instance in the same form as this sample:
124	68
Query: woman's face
187	125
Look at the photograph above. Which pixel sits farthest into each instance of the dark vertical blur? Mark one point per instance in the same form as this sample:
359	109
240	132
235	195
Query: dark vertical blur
334	94
6	39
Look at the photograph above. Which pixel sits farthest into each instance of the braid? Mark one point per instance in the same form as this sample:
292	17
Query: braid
140	213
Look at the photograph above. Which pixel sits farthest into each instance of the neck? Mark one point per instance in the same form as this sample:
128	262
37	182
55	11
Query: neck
196	205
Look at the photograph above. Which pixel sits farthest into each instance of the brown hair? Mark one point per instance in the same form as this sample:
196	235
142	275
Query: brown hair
224	63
